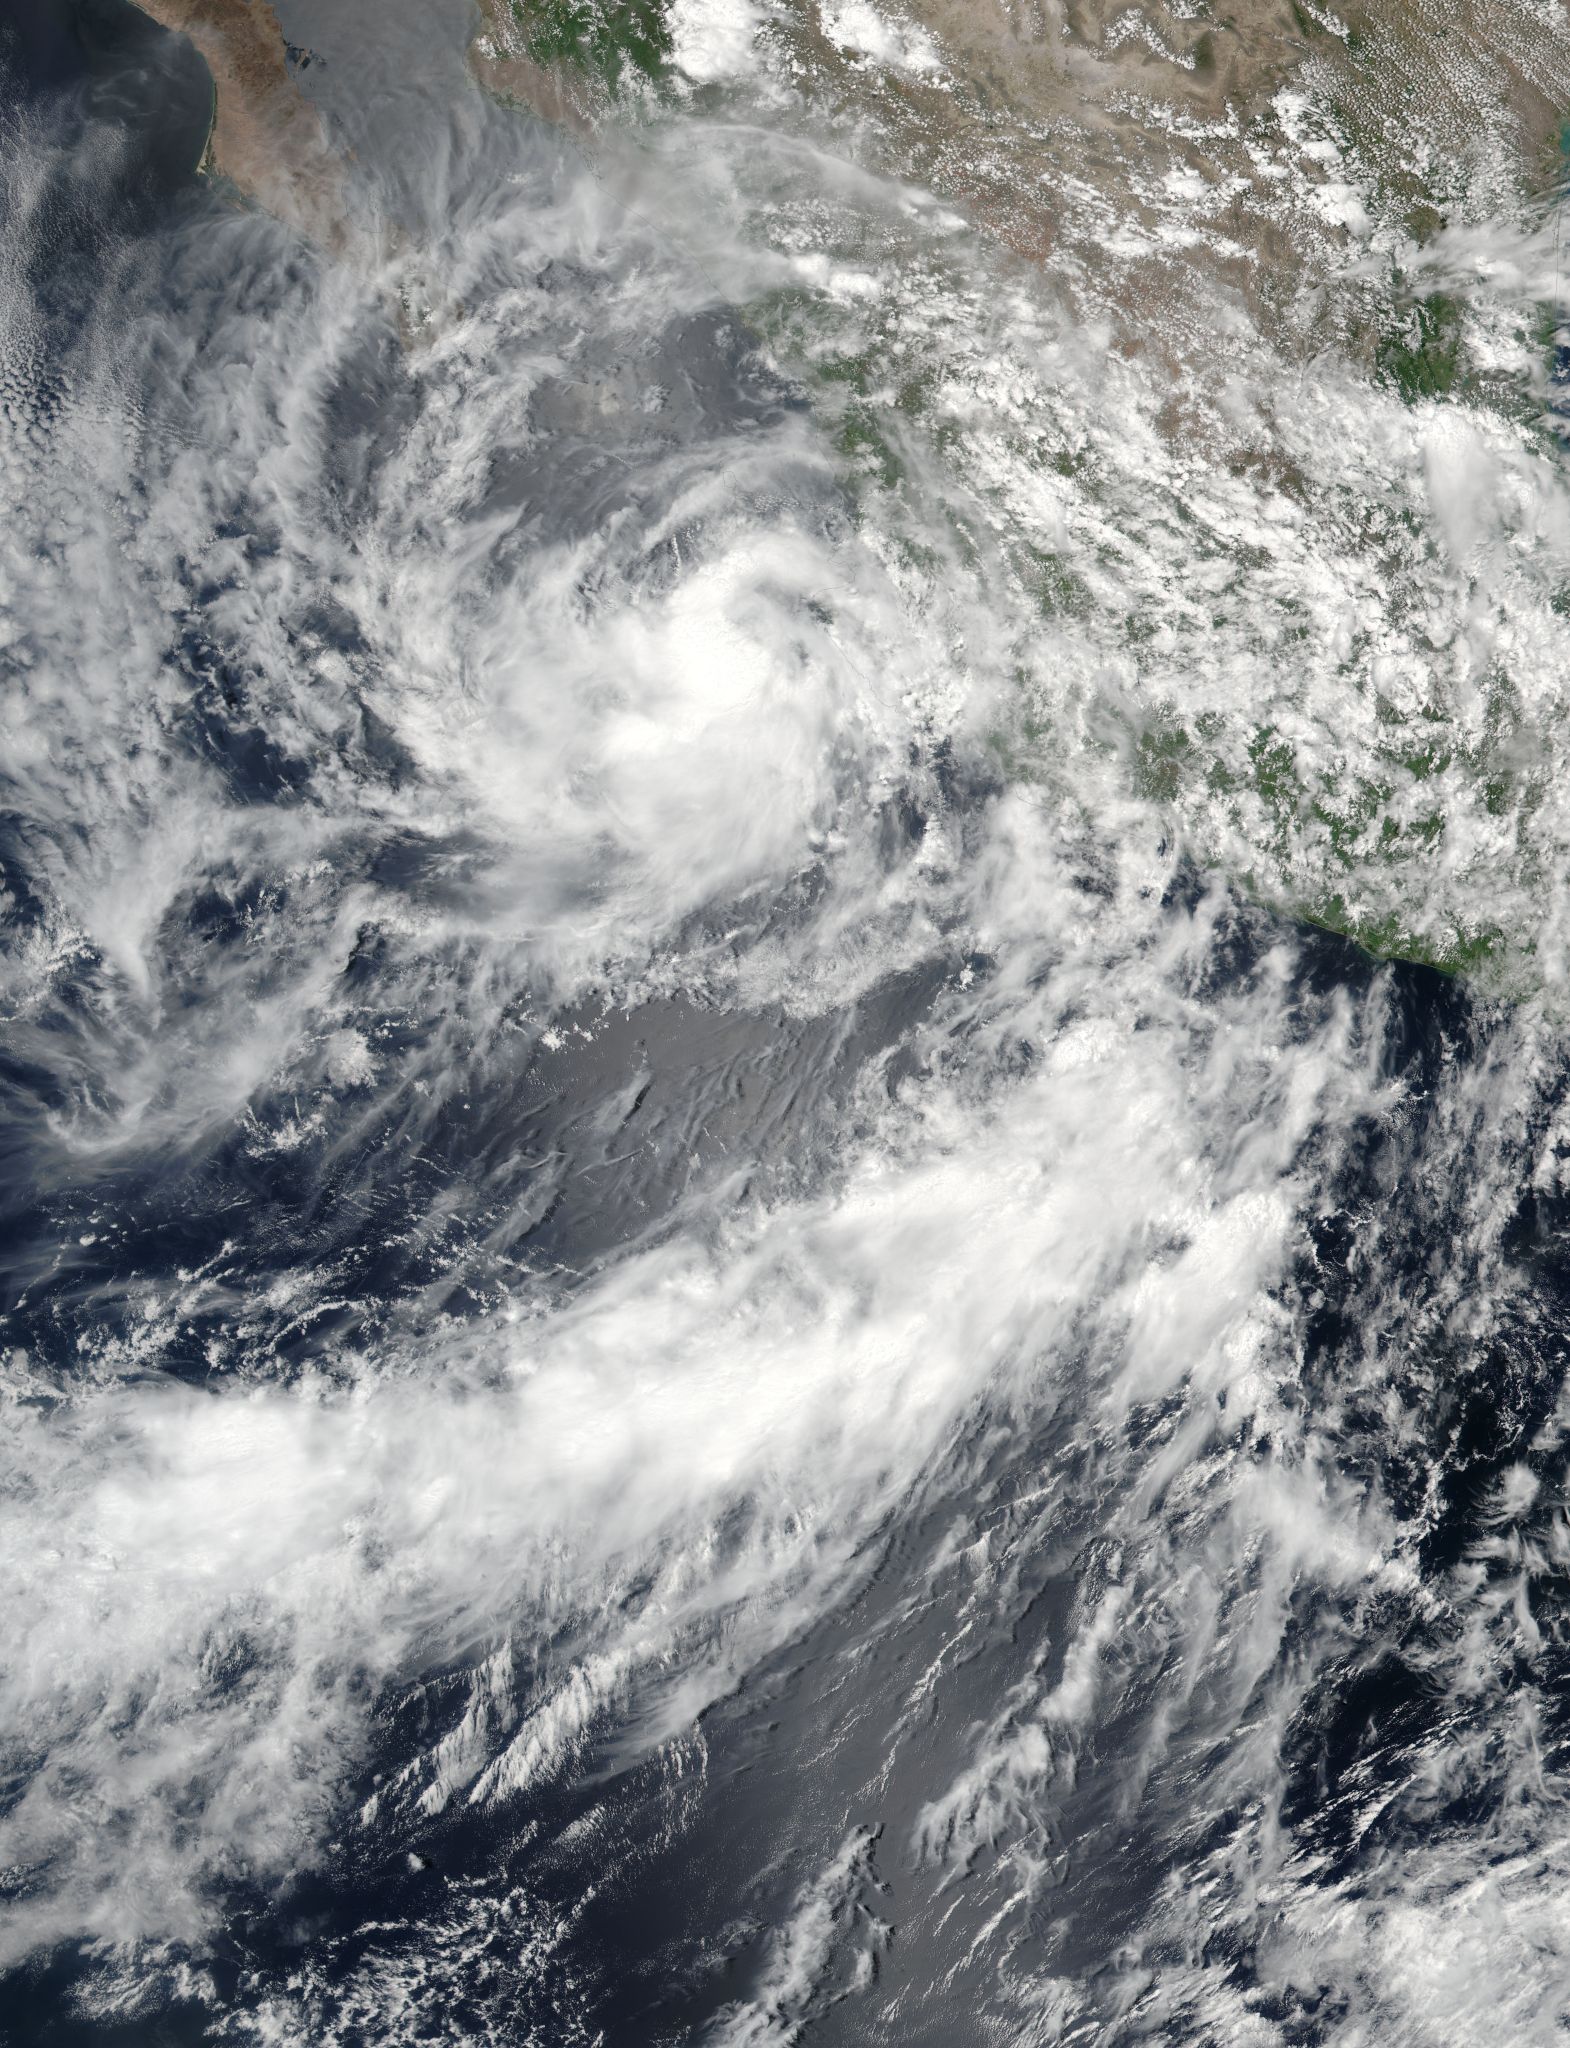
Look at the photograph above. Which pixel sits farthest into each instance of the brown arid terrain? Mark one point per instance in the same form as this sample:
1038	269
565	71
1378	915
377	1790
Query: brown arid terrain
560	93
1432	105
1065	127
1074	130
1250	382
267	139
1253	278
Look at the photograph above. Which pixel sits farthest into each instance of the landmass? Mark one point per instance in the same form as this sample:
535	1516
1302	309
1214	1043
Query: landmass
266	138
1267	207
1247	198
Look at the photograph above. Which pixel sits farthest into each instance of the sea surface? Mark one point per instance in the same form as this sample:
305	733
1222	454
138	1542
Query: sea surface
686	1357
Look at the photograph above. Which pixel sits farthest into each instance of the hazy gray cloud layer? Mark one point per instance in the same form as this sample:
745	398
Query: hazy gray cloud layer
408	650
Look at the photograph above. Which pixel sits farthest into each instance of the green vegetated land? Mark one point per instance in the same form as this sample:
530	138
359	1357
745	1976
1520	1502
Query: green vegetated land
608	39
1317	840
1328	847
1421	353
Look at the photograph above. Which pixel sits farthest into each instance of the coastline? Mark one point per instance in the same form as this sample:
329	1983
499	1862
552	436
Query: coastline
264	136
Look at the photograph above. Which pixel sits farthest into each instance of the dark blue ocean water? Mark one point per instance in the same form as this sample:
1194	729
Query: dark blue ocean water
1038	1736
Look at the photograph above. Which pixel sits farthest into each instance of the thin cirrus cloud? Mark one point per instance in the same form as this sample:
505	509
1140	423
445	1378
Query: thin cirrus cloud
383	685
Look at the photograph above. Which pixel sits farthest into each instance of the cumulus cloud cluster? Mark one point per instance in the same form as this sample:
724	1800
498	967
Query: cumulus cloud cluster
404	654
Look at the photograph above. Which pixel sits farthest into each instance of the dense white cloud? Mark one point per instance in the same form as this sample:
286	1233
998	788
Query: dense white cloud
473	646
